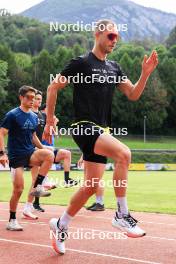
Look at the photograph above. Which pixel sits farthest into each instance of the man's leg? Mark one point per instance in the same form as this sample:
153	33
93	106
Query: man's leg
99	204
65	155
92	174
18	186
44	159
28	207
34	173
120	153
108	146
36	203
99	195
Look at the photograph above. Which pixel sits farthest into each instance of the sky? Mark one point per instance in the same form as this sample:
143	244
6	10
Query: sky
17	6
164	5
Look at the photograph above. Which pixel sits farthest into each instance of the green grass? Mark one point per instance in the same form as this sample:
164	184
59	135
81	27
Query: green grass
65	142
161	143
132	143
147	191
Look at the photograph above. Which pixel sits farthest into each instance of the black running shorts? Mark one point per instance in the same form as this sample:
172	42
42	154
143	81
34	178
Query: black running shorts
20	161
86	142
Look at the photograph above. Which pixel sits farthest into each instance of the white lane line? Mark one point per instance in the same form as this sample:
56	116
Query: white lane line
91	229
162	238
82	251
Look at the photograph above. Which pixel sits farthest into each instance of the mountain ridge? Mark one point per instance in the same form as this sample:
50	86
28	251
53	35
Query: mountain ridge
143	22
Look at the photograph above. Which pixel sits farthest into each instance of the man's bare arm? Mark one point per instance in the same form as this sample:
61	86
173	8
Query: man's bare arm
3	133
59	83
36	141
3	158
52	91
133	92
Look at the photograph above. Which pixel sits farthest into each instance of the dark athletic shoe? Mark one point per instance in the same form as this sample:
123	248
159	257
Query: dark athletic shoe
89	207
70	182
97	207
38	207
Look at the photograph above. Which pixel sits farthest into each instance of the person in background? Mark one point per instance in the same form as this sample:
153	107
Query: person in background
20	124
61	154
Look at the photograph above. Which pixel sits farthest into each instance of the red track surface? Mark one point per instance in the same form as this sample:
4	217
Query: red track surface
33	245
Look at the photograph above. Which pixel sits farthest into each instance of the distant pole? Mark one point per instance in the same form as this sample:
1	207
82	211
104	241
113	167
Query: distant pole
145	129
35	72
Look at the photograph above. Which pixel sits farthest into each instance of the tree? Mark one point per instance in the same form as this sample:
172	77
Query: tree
59	39
172	51
162	51
22	45
36	40
167	70
42	67
171	40
126	63
78	50
3	80
153	104
23	60
62	56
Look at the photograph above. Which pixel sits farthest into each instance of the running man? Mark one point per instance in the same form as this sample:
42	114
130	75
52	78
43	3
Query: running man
92	99
20	124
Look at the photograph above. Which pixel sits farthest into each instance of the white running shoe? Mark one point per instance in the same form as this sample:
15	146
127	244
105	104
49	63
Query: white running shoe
40	191
13	225
59	236
128	224
27	214
49	184
28	206
32	208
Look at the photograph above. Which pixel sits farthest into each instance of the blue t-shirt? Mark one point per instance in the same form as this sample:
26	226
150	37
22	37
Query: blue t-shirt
21	126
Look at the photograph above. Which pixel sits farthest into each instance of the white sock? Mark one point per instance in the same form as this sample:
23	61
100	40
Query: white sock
122	206
99	199
46	180
65	220
27	205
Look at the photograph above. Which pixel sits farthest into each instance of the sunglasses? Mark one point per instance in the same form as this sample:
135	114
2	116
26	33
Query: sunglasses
29	97
112	36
